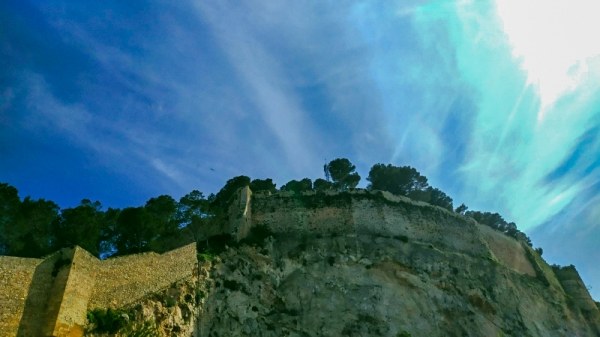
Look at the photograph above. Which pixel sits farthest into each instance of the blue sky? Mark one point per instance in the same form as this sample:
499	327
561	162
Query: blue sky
496	102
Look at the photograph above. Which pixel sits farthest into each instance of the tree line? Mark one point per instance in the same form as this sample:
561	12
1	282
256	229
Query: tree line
35	228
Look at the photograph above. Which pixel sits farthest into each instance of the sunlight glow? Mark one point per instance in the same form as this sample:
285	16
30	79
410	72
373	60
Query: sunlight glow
554	41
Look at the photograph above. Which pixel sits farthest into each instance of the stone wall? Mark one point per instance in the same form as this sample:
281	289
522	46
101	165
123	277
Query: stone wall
71	293
16	276
139	275
372	213
51	297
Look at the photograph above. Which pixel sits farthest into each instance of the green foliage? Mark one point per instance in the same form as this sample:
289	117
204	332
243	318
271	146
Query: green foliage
170	302
9	209
206	256
107	320
321	185
497	222
434	197
461	209
162	214
403	334
146	329
133	235
298	186
342	173
258	185
257	236
81	226
199	295
194	214
403	180
27	226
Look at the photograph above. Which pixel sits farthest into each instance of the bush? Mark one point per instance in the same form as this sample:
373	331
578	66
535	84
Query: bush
146	329
107	320
206	256
170	302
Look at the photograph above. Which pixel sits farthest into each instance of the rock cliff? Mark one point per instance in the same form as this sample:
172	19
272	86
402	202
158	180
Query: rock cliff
370	264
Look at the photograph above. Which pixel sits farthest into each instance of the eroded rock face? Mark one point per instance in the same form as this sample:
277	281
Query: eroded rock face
172	312
367	264
377	286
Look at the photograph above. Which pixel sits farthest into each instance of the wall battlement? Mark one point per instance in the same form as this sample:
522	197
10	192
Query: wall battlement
51	296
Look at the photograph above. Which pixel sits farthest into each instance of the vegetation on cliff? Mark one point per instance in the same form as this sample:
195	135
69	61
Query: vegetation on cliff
34	228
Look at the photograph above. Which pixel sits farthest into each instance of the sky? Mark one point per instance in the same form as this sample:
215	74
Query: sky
496	102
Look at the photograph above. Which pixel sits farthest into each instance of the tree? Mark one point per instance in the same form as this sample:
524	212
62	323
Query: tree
263	185
396	180
9	208
342	174
132	233
322	185
461	209
30	234
81	226
433	196
497	222
298	186
162	212
193	213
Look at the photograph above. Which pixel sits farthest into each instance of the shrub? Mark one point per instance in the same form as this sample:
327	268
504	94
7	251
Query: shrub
146	329
107	320
206	256
170	302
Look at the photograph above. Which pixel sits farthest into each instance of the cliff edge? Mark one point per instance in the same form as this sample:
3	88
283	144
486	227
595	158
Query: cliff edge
371	264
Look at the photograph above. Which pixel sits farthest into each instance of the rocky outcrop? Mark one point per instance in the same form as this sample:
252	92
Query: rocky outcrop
366	264
378	286
370	264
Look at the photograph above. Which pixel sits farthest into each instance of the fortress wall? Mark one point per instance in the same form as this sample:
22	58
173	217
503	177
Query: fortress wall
51	296
35	313
306	213
74	287
240	212
57	291
377	213
418	222
123	280
16	276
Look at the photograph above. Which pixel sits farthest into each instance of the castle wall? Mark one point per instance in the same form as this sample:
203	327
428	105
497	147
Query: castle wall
363	212
307	213
71	292
124	280
51	297
16	276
